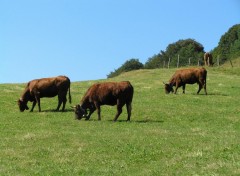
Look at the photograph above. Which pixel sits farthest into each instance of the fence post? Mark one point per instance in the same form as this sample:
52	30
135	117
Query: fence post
218	60
231	63
189	61
169	60
178	61
198	62
164	64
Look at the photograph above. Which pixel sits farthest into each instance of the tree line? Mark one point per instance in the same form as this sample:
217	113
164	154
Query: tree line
188	49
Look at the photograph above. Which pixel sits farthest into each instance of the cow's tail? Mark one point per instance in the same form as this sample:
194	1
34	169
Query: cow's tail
205	82
69	95
205	78
129	101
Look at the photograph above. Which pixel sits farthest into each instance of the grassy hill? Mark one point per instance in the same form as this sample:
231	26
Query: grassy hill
168	134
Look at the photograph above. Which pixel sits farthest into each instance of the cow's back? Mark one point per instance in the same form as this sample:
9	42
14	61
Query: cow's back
49	87
189	76
109	92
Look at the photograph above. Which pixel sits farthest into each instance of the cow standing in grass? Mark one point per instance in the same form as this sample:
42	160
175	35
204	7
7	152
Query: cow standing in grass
45	87
208	59
108	93
187	76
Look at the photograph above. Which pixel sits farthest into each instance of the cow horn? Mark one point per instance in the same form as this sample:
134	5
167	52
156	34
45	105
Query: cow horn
164	83
73	107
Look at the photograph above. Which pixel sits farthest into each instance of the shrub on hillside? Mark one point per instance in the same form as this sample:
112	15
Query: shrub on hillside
129	65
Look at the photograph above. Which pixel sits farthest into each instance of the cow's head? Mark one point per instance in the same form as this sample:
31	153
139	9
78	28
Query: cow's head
22	105
80	112
168	88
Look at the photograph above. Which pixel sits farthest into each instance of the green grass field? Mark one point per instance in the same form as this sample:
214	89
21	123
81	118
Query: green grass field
168	134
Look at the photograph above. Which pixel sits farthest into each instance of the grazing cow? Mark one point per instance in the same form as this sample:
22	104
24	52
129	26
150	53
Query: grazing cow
208	59
45	87
187	76
108	93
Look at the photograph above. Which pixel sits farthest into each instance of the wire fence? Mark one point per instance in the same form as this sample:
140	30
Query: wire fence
191	61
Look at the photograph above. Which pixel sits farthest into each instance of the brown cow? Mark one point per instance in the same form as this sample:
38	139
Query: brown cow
187	76
108	93
45	87
208	59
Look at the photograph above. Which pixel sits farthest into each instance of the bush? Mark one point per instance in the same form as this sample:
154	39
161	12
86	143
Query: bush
132	64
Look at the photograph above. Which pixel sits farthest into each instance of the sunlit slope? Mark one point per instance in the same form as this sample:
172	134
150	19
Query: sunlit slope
183	134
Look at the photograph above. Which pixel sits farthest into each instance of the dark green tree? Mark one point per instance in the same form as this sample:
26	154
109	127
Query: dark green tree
129	65
184	49
229	45
154	62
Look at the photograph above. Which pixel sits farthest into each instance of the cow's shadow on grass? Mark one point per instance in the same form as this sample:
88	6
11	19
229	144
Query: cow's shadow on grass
212	94
218	94
54	110
148	121
137	121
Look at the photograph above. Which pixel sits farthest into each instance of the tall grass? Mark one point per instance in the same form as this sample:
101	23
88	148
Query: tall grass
168	134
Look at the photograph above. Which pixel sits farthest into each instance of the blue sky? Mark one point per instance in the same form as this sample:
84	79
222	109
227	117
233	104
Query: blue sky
87	39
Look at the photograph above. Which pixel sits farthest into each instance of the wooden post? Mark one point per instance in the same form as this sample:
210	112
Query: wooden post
169	60
164	64
231	63
218	60
189	61
178	61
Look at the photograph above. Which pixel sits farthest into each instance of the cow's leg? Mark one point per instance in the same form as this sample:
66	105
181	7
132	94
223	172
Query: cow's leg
64	103
90	113
119	110
64	100
199	89
59	104
183	87
205	87
98	110
59	101
176	88
99	113
129	110
38	102
33	105
200	84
